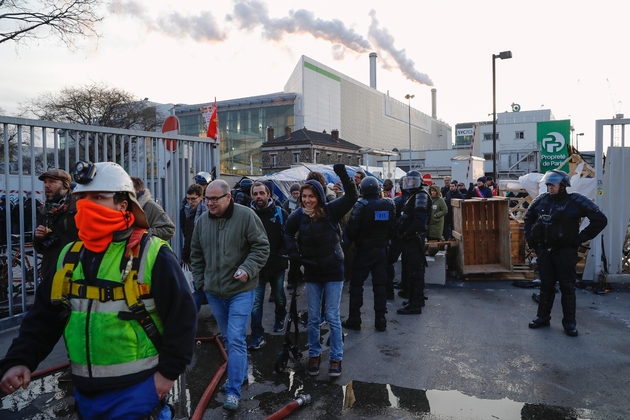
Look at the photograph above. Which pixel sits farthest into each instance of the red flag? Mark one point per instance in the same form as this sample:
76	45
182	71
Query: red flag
213	122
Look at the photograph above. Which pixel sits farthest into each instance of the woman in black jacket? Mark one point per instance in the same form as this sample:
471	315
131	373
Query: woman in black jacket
318	249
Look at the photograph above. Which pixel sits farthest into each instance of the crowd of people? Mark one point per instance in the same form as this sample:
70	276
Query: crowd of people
117	293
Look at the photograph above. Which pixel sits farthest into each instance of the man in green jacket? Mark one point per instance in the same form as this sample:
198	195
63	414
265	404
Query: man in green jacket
228	249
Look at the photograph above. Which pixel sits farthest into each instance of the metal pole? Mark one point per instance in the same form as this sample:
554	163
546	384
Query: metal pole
409	133
494	120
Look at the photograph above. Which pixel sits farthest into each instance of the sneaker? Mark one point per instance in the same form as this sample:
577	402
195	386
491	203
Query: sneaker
278	326
335	368
352	323
313	365
231	403
256	343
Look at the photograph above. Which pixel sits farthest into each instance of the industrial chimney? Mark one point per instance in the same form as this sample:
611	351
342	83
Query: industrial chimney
434	103
270	133
373	70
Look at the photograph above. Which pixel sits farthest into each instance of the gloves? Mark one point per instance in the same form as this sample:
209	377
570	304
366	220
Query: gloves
340	169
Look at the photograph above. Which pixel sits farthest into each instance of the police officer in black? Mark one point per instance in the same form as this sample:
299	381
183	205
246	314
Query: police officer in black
396	247
552	225
411	226
240	192
369	228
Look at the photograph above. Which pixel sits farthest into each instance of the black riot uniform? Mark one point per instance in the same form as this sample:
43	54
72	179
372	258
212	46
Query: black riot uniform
411	226
396	246
369	228
552	224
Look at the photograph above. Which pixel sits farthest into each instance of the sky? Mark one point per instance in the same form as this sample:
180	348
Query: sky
568	56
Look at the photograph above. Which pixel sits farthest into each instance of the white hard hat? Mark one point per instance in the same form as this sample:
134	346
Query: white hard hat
108	177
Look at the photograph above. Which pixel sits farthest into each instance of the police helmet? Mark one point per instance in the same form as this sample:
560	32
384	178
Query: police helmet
245	184
370	186
557	177
412	181
203	178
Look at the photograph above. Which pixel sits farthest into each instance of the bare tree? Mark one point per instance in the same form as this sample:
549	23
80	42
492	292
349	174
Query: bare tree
95	104
67	20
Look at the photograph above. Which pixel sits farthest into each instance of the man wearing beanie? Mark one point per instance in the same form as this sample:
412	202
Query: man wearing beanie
480	190
292	202
55	219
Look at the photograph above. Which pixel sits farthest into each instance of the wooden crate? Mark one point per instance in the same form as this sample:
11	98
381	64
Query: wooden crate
517	242
482	230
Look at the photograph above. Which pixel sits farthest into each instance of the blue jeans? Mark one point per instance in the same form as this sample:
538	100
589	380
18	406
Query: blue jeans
276	280
332	293
133	402
232	316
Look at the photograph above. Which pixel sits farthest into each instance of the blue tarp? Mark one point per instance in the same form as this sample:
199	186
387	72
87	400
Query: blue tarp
283	180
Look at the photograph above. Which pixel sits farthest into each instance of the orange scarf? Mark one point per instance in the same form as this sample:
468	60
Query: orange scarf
97	224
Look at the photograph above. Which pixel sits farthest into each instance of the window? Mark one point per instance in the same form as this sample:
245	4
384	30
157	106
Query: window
339	157
328	158
349	160
296	157
487	156
488	136
316	157
519	135
274	161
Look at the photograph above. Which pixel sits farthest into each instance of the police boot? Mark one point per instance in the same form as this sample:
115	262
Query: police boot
380	323
568	311
544	311
352	323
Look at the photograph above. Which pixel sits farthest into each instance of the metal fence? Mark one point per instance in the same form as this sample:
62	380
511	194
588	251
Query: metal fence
166	163
610	253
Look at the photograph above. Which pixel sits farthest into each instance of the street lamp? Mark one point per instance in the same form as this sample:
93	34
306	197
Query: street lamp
409	97
503	56
576	140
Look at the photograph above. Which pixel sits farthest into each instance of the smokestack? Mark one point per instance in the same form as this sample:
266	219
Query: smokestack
373	70
335	135
269	133
287	132
434	103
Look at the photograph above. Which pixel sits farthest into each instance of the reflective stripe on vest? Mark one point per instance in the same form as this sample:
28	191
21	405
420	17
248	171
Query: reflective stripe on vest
115	370
102	337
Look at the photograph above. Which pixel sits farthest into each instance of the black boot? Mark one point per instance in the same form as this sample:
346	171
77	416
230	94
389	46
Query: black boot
352	323
410	310
380	323
568	311
543	315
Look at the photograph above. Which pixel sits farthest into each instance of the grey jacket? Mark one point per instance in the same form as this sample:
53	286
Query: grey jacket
222	245
160	224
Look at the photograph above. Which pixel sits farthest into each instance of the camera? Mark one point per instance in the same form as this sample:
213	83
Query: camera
50	241
84	172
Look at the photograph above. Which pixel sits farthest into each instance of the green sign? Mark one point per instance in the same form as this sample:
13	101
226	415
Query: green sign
553	139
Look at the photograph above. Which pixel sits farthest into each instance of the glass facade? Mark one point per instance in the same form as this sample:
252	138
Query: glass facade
243	131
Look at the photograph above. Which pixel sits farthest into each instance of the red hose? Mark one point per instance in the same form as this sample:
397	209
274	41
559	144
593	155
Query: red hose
284	411
205	398
48	370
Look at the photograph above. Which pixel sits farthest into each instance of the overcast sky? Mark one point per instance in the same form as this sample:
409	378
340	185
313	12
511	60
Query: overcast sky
568	56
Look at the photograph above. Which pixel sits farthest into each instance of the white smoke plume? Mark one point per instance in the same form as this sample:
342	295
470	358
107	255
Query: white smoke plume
201	28
384	43
249	14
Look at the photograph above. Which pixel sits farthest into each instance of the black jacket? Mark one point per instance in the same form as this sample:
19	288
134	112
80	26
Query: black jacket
554	220
370	223
319	243
273	219
415	215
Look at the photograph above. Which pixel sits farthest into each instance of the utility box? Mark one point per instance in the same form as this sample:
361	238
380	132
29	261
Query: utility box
482	230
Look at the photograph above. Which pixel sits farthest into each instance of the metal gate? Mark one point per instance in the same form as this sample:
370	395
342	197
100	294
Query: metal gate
608	257
31	147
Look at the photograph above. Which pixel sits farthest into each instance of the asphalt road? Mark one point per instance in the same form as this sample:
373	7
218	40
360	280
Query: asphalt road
469	354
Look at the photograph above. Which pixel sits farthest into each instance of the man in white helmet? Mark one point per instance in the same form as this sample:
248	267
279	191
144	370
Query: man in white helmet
121	301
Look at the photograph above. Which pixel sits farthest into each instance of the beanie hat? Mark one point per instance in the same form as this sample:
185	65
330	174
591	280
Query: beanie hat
481	179
294	187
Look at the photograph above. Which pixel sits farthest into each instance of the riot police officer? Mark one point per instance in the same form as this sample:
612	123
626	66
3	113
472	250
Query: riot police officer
241	191
411	226
396	246
369	227
552	225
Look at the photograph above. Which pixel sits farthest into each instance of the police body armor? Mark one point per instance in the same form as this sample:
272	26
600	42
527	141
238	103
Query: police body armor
377	216
408	224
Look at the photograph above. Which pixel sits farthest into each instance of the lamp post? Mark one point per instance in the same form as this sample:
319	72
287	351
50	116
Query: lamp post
576	140
503	56
409	98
